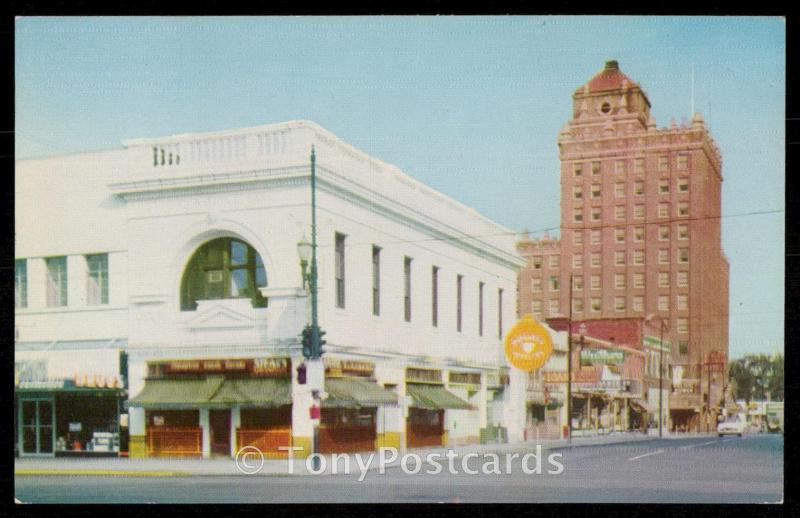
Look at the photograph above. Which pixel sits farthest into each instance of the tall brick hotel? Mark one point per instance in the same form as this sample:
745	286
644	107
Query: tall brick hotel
640	237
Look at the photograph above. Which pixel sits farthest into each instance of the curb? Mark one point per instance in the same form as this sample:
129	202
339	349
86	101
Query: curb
99	473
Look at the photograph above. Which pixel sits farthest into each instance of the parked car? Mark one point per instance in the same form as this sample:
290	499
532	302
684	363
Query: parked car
732	425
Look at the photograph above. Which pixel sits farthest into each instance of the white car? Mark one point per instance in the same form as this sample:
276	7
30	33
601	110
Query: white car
732	425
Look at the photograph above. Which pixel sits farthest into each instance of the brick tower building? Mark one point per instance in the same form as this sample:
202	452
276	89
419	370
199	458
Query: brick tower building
640	233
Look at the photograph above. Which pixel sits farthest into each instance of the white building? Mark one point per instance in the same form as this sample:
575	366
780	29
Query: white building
181	252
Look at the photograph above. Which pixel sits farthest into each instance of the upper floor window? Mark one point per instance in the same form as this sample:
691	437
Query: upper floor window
683	209
536	284
638	211
595	190
594	237
663	187
663	210
663	163
577	260
577	215
56	281
224	268
536	306
619	190
554	283
577	282
595	282
683	231
577	192
339	268
683	162
376	280
682	278
638	165
595	168
21	283
537	261
577	238
577	169
619	166
683	185
619	235
595	214
638	234
97	289
407	288
555	261
619	212
638	188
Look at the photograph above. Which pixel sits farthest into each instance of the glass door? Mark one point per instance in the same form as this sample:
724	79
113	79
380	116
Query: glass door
37	420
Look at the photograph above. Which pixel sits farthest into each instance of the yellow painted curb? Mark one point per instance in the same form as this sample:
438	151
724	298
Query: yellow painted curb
100	472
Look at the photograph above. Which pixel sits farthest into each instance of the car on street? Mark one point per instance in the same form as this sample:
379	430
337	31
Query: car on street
732	425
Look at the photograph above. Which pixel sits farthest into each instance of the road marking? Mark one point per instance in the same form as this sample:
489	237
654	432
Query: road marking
647	454
726	440
695	445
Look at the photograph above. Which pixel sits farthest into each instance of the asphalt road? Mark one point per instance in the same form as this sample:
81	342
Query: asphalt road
696	470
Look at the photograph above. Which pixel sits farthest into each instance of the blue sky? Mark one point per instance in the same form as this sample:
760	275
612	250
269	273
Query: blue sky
469	105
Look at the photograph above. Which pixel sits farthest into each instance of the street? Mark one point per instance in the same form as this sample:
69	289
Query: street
692	470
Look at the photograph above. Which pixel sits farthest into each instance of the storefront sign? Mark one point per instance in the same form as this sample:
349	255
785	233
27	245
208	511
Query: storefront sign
43	384
339	367
602	386
75	427
602	356
424	375
528	344
466	378
265	367
578	376
206	366
269	367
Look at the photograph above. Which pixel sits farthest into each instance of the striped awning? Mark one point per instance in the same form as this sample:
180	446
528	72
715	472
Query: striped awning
435	397
356	392
213	390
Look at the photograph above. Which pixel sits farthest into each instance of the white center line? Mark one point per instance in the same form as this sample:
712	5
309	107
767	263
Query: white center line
726	440
696	445
647	454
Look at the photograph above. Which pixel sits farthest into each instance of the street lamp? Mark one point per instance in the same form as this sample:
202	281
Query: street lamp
663	326
304	249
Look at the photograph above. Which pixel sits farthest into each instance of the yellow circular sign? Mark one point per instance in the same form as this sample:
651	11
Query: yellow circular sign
528	344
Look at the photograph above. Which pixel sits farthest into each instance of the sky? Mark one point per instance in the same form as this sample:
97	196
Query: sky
471	106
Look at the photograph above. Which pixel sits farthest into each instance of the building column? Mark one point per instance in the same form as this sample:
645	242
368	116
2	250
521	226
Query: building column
483	409
206	431
235	423
391	425
77	275
302	427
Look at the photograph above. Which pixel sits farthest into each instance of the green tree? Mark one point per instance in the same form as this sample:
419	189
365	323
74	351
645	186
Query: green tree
755	376
742	379
775	385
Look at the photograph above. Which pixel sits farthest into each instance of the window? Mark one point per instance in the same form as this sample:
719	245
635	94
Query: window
21	283
224	268
555	261
577	260
663	163
638	303
407	288
683	255
682	301
577	305
554	283
638	165
56	281
638	280
638	188
663	210
339	266
595	282
619	235
683	209
595	213
435	296
663	279
536	284
595	168
500	313
97	289
682	279
682	324
663	302
459	293
555	307
663	256
594	237
577	215
595	304
536	307
577	192
595	260
683	185
480	309
595	190
638	257
638	234
376	280
577	282
619	258
619	166
663	232
683	231
619	190
683	346
537	262
663	187
683	162
638	211
577	238
619	303
619	212
577	169
619	281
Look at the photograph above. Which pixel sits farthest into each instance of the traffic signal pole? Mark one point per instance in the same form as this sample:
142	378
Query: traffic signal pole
316	369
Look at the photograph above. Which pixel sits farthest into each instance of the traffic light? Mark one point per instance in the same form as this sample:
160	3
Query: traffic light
301	374
306	341
321	342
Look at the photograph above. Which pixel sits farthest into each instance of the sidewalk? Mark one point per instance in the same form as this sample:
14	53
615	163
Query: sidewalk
171	467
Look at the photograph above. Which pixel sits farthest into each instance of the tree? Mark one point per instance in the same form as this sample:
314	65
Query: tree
775	385
755	376
742	379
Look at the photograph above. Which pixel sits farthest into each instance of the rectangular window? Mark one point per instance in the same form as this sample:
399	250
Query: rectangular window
595	168
619	235
459	282
683	231
638	188
683	255
682	301
407	288
638	257
435	296
577	238
554	283
638	165
663	256
619	212
555	261
594	237
596	304
577	305
663	279
500	313
21	283
619	258
663	210
376	280
595	213
480	309
619	281
638	234
619	190
682	279
683	185
663	163
663	233
577	215
97	289
638	211
663	302
683	209
638	303
536	260
577	260
619	166
577	192
619	303
577	282
56	281
536	307
577	169
638	280
595	260
595	190
595	282
536	284
663	187
683	325
555	307
683	162
339	267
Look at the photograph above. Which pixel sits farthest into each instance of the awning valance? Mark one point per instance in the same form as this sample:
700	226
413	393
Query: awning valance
213	390
355	392
260	391
435	397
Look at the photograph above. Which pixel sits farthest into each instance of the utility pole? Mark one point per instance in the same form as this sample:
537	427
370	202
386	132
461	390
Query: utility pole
661	379
317	379
569	365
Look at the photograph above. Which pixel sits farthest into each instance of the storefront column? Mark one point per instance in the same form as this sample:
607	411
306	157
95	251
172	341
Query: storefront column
137	448
391	426
483	408
205	426
514	411
235	423
302	427
589	411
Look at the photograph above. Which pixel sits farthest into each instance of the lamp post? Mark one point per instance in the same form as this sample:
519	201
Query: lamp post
569	365
662	326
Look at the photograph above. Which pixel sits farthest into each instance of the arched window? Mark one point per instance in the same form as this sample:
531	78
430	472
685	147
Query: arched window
224	268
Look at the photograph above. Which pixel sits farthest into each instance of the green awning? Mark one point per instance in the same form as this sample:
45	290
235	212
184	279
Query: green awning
170	392
354	392
435	397
259	391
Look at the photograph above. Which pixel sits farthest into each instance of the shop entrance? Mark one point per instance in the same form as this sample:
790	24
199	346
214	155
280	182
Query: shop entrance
425	427
220	424
37	422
